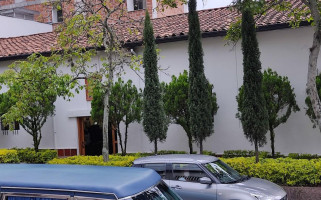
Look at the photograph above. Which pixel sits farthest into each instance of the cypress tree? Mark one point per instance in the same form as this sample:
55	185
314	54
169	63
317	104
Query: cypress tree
201	118
154	118
254	115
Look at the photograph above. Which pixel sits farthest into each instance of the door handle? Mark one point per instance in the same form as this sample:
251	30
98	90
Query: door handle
177	187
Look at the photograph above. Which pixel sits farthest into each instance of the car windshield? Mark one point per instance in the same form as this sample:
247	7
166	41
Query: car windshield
223	172
158	192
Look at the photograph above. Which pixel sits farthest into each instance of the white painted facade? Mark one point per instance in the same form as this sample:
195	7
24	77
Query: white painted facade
14	27
285	51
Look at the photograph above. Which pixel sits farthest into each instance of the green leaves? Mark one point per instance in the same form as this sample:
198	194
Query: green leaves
125	105
33	87
176	103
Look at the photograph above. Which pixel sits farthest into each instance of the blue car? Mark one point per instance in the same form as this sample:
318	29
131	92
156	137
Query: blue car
76	182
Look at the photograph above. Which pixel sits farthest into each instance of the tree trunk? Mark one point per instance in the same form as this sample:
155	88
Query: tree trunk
201	146
120	140
190	138
313	60
105	150
155	146
126	137
35	142
272	134
256	151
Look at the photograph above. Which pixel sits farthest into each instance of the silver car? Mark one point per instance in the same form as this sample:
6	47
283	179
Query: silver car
200	177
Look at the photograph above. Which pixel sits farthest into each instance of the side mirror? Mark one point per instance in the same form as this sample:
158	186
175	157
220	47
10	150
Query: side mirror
205	180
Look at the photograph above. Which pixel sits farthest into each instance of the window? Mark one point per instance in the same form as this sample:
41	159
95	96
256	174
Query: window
139	4
160	168
57	15
5	129
187	172
88	91
136	5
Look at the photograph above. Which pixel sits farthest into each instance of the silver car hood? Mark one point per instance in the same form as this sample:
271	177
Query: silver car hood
261	187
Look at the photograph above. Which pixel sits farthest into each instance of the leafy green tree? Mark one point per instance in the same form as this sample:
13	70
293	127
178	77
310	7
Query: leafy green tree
199	102
154	118
176	106
95	24
279	98
125	106
311	12
251	103
280	101
33	87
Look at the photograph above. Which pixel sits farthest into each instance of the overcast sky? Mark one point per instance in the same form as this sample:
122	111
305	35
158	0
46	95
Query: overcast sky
212	3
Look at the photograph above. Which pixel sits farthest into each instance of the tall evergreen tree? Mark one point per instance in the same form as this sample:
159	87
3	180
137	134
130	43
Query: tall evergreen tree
154	118
252	109
201	118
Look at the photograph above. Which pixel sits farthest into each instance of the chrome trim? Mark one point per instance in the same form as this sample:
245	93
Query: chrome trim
62	190
21	194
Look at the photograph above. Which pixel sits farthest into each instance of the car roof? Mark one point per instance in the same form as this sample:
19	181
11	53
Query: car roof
176	158
120	181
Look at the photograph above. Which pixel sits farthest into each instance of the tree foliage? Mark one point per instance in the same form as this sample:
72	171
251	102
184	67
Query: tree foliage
89	27
176	103
199	103
251	104
33	87
280	101
279	98
125	106
154	118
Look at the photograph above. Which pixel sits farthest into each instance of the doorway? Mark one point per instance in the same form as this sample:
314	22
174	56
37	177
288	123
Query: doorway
90	137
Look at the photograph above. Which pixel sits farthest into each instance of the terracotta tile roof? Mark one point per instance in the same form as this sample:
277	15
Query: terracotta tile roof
211	21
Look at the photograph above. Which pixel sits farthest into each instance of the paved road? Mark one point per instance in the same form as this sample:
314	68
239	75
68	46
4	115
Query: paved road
303	193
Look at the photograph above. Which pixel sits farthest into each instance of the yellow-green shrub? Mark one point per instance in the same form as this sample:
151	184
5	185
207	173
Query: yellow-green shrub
123	161
8	156
283	171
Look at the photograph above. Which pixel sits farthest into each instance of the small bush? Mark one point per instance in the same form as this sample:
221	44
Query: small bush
122	161
246	153
283	171
9	156
303	156
29	155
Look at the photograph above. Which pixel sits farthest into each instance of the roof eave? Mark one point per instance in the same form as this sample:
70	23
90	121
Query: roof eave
168	39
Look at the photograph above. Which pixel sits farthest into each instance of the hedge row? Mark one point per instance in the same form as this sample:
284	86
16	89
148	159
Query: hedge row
29	155
123	161
26	156
282	171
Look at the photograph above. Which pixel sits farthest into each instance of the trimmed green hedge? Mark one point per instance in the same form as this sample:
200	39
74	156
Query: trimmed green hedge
9	156
29	155
123	161
282	171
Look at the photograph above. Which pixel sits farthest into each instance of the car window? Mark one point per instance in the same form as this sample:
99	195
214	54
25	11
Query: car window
159	192
187	172
160	168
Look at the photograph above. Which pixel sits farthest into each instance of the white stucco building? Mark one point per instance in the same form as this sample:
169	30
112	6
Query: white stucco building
283	49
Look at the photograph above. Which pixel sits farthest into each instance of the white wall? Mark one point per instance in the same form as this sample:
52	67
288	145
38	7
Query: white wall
13	27
285	51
